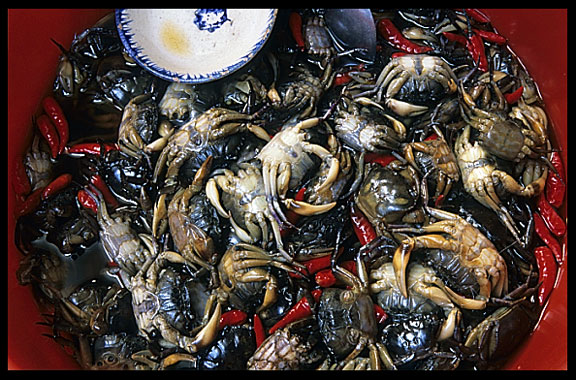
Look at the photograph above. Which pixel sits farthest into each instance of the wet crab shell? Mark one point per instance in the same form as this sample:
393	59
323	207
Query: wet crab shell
385	195
342	317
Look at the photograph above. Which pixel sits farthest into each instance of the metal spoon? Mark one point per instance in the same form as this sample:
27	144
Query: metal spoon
353	32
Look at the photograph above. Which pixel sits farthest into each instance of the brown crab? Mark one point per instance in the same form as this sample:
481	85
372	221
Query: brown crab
472	249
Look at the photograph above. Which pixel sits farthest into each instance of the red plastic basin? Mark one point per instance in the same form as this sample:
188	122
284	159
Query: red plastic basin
539	37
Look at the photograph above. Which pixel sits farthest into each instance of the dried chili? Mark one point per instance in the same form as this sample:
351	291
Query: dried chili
48	131
476	48
233	318
553	220
394	37
57	185
514	96
54	111
87	201
295	24
30	203
491	36
300	310
548	238
259	332
555	184
363	229
100	184
547	269
96	148
477	15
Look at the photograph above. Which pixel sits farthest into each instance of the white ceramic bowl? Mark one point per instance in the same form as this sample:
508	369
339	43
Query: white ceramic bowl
194	45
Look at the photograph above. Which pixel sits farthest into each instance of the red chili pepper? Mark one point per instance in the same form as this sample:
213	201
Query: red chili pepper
381	315
295	24
364	230
382	159
476	15
547	238
300	310
514	96
48	131
57	185
476	49
342	78
317	264
21	183
553	221
394	37
233	318
455	37
325	278
259	332
398	54
555	184
54	111
547	269
491	36
97	181
474	45
30	203
87	201
92	148
34	199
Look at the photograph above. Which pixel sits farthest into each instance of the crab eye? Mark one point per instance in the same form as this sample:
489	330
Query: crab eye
110	359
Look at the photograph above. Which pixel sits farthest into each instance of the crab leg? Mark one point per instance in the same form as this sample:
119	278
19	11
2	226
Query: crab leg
274	194
266	177
402	254
324	154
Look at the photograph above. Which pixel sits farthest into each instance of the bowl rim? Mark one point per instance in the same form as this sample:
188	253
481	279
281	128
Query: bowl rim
136	52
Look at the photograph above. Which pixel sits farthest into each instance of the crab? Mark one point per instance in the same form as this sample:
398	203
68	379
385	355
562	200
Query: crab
197	134
362	132
180	102
513	136
151	314
191	240
416	78
347	320
244	272
301	95
138	125
245	204
285	160
480	178
434	154
472	250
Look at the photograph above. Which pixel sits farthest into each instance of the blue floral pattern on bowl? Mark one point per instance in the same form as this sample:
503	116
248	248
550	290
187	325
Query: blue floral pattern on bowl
210	19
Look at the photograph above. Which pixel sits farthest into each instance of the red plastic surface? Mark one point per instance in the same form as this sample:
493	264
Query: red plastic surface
539	37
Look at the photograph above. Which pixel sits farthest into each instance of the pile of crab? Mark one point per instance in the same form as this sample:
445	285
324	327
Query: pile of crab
329	206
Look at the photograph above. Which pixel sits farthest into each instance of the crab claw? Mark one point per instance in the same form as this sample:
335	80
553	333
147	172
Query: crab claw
332	174
208	332
449	325
307	209
405	109
463	302
399	263
214	197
